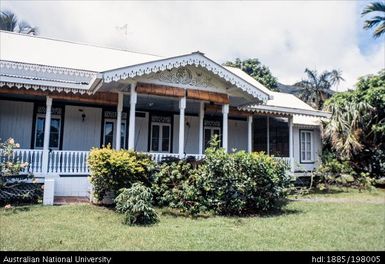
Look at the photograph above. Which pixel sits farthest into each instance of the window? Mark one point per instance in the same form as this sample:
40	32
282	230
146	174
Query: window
109	133
54	136
160	138
306	141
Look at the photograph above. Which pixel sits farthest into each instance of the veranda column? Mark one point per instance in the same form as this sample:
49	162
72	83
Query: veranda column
250	133
47	131
201	117
268	135
225	111
131	131
182	107
291	144
119	110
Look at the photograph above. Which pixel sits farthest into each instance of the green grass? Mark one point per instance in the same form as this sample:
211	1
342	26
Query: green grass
302	226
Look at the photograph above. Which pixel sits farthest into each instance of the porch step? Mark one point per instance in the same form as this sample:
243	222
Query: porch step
59	200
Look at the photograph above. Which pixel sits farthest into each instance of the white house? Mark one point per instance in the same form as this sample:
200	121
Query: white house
58	99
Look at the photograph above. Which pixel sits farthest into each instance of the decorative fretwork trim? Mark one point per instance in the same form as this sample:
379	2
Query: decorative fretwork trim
44	88
196	59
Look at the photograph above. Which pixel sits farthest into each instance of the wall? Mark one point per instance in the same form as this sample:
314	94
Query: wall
16	121
72	186
237	135
78	134
191	135
317	149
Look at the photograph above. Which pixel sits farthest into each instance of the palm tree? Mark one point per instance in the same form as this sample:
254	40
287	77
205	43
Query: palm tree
9	22
378	21
315	88
344	129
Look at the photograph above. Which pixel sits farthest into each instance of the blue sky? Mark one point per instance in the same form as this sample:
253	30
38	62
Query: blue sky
287	36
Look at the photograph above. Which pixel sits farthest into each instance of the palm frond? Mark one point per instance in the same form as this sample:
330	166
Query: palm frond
373	7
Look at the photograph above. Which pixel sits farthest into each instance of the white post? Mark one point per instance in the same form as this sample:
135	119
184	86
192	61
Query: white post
291	144
201	117
268	135
47	131
119	110
225	111
250	134
49	191
182	107
131	131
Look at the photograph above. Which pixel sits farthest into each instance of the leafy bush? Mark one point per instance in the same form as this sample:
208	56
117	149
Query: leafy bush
16	188
336	172
135	203
112	170
226	184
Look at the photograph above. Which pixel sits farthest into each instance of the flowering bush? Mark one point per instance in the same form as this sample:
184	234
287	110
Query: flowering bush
12	190
10	166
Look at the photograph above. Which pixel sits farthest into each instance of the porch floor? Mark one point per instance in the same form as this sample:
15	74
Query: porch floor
70	200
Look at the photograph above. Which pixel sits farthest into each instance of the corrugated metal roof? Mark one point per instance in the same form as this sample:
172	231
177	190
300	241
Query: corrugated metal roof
59	53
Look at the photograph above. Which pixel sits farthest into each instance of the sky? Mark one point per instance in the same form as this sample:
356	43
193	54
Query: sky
287	36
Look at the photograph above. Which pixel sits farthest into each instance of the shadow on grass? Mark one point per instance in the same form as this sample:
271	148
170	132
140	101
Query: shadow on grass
175	213
15	210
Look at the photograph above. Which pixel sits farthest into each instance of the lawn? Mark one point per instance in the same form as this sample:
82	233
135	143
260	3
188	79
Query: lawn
347	225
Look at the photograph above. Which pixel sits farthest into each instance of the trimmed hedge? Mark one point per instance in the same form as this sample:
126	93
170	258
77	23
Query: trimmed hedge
112	170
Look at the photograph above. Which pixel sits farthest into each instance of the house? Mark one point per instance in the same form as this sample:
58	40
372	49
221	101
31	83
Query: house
58	99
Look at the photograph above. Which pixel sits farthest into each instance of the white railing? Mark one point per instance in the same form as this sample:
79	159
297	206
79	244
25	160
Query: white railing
34	158
286	160
158	156
68	162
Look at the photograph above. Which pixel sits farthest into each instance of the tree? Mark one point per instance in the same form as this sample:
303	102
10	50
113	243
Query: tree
10	22
356	130
377	21
315	87
257	70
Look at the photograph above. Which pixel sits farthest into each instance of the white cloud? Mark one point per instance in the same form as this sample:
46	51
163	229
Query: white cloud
286	36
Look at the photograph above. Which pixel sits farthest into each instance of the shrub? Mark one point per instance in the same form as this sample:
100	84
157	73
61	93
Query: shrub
336	172
15	188
135	203
226	184
112	170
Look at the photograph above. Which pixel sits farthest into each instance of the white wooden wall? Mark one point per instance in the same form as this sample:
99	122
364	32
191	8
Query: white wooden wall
16	121
191	135
237	135
78	134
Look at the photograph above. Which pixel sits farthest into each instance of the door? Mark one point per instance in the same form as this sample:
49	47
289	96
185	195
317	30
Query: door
109	136
209	132
160	137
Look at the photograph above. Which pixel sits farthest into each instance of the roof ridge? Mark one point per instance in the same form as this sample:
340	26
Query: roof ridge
78	43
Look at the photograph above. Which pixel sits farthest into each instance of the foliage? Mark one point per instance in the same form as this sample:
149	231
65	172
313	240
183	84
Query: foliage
316	86
14	188
10	22
112	170
356	130
9	166
135	203
257	70
377	21
225	184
